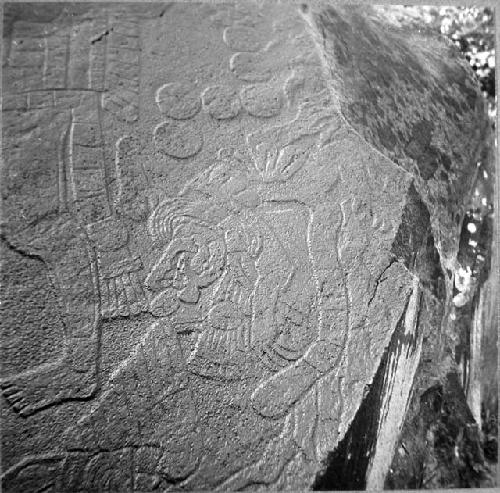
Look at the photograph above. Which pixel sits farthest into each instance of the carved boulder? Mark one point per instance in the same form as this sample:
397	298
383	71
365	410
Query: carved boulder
219	221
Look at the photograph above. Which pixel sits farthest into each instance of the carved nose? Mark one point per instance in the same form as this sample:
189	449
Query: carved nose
157	279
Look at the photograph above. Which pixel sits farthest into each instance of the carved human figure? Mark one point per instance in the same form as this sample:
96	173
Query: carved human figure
191	257
243	283
87	253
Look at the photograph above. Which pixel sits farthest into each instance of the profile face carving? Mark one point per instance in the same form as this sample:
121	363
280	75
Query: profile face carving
192	260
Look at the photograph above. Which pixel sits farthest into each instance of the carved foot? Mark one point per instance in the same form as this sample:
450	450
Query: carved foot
46	386
71	377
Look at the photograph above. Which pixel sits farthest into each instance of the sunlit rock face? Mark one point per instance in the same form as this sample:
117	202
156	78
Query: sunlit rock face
231	233
408	93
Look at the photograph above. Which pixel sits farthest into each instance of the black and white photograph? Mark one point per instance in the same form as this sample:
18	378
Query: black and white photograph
249	245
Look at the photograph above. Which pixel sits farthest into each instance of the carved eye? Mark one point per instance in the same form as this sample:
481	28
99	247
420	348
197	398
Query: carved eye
199	262
181	262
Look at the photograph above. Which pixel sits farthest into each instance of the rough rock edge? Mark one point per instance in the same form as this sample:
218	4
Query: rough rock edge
447	270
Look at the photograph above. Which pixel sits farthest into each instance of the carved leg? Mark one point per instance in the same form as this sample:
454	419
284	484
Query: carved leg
74	376
274	397
296	324
74	266
61	245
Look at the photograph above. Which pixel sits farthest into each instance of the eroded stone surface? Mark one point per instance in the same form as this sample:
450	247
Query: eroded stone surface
213	289
178	100
221	102
178	139
430	84
262	100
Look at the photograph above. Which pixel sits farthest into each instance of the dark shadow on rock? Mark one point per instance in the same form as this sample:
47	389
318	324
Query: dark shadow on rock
440	446
347	466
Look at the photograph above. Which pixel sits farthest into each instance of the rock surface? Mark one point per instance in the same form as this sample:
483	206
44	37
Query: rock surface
221	228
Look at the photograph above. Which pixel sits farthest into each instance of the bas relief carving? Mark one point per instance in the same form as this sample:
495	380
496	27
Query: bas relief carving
257	285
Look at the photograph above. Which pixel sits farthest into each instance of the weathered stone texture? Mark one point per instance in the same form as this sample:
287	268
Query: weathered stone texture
213	226
411	96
